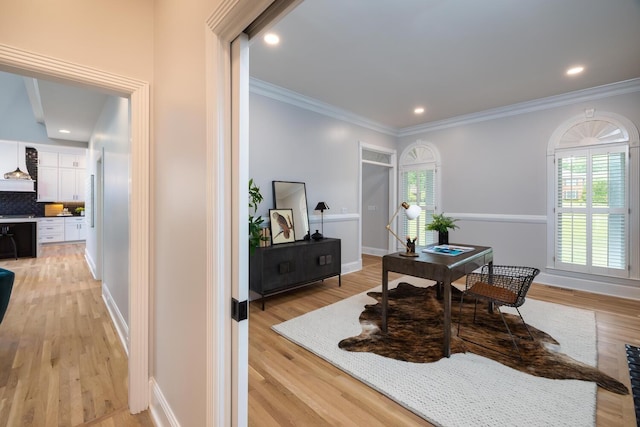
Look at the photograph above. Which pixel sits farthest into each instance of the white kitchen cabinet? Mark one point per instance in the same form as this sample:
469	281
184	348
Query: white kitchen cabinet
61	174
51	230
72	161
71	185
75	228
47	184
47	159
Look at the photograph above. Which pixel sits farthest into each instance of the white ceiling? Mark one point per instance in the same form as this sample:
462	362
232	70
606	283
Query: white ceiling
54	105
71	108
379	59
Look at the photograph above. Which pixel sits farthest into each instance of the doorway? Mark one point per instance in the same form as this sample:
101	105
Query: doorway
34	65
377	198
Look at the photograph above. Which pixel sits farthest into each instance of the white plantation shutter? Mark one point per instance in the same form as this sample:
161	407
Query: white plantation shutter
592	211
418	187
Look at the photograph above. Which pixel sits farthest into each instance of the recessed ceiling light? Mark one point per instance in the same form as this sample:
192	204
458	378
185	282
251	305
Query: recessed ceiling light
575	70
64	131
271	39
419	110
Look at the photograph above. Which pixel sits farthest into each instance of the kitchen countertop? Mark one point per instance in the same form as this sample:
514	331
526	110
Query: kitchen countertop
17	218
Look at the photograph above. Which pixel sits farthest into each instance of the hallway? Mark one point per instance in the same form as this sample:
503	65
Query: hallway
61	361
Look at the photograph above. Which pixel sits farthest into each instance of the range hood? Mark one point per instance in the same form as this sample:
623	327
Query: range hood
13	167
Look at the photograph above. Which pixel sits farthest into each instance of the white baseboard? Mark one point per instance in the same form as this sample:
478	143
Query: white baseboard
91	263
351	267
592	286
374	251
159	408
116	318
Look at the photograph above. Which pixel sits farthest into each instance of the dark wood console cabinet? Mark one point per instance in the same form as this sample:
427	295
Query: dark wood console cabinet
278	268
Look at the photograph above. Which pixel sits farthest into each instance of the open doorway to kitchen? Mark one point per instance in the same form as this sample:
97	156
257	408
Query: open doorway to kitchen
136	94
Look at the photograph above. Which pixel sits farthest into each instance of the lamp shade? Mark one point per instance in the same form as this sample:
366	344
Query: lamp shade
321	206
17	174
412	212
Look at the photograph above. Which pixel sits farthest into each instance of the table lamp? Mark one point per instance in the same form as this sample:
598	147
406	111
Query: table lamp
412	212
321	206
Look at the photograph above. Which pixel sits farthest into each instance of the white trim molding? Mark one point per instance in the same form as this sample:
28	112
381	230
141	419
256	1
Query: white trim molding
116	317
281	94
296	99
32	64
316	219
599	92
351	267
491	217
159	408
630	289
225	397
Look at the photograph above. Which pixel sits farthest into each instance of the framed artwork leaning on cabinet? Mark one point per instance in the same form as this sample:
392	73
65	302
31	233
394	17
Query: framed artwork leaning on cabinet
281	224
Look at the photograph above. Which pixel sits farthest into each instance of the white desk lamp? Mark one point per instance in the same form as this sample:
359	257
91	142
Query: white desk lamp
412	212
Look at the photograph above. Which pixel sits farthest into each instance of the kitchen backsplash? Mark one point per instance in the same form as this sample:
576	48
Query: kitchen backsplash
21	203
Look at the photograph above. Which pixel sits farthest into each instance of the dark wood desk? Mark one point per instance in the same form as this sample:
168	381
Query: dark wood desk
441	268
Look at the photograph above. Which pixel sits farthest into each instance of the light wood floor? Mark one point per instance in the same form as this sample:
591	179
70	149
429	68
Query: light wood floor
61	362
289	386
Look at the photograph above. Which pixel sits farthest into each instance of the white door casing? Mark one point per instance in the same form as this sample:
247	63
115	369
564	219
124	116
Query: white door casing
28	63
227	340
392	171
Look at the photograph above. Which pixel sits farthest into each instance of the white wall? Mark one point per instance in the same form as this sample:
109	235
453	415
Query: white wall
499	167
291	144
179	177
110	144
110	35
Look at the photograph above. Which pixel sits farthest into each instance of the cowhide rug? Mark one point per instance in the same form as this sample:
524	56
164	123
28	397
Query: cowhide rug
415	334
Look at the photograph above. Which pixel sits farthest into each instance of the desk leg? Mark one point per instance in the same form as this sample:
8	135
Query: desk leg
385	286
446	345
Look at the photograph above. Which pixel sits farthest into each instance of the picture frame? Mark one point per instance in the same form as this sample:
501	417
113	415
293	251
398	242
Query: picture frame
281	226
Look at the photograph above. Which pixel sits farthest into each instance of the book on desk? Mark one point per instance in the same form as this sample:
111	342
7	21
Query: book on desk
449	250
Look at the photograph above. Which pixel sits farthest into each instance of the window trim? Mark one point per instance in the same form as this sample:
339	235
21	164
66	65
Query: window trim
590	211
633	193
420	155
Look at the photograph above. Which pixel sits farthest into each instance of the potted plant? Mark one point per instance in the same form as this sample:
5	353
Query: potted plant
79	210
255	222
442	224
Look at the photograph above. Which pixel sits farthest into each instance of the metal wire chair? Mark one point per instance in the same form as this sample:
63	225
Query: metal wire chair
500	285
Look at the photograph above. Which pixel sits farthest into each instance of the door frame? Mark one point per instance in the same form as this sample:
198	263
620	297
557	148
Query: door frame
393	187
227	339
19	61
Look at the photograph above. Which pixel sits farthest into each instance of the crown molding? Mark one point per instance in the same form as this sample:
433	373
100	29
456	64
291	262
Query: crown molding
278	93
281	94
598	92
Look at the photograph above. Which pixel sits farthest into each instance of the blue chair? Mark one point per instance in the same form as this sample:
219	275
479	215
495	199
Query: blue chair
6	286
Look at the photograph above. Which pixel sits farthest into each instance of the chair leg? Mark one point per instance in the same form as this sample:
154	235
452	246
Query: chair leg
525	324
513	339
504	321
15	248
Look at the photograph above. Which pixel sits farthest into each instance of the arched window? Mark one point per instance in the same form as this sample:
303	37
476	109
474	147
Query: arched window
591	195
419	164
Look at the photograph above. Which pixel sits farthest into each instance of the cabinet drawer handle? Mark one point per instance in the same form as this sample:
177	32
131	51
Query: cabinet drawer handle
286	267
324	259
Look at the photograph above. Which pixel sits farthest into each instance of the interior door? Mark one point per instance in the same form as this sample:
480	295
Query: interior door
239	237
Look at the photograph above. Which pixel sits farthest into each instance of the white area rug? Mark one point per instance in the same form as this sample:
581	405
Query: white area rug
465	389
